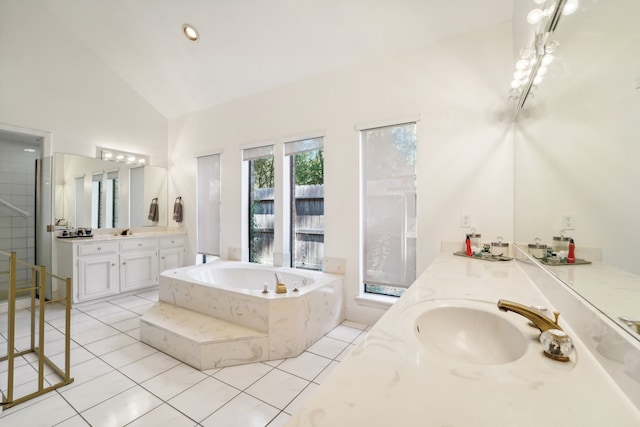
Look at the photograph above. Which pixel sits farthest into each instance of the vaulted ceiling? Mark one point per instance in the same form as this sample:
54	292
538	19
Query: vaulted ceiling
249	46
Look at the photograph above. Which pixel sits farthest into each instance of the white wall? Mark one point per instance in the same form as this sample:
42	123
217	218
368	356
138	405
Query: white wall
465	154
51	82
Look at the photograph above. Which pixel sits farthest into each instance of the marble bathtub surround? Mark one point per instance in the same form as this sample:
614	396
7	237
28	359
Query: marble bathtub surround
209	326
391	379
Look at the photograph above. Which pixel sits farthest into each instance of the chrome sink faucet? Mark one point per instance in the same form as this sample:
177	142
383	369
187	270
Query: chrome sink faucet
539	320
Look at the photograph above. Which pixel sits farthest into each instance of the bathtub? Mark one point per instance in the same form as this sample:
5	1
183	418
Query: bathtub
231	292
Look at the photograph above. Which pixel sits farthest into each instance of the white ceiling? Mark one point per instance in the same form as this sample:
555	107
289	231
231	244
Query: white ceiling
249	46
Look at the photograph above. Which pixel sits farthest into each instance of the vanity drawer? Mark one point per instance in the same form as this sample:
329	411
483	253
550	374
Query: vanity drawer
97	248
171	242
138	244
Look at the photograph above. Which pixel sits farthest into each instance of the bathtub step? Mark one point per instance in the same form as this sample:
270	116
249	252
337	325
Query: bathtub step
201	341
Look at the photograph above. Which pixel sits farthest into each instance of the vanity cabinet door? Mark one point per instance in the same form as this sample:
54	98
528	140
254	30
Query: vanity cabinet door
97	276
171	258
171	252
138	270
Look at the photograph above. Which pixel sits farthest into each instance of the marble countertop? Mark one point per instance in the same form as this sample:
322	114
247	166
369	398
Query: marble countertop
390	380
101	236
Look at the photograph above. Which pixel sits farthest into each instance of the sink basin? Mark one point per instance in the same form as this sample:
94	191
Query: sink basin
472	332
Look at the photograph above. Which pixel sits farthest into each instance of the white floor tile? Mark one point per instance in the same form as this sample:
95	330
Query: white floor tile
277	388
142	309
84	372
307	365
97	390
203	398
134	333
126	355
109	344
356	325
119	380
127	325
280	420
174	381
243	410
129	301
162	416
44	413
326	372
242	376
297	403
328	347
76	421
151	295
116	317
150	366
345	352
344	333
95	334
122	408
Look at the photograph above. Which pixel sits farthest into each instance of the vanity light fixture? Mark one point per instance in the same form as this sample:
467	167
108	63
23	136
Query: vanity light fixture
190	32
121	156
534	59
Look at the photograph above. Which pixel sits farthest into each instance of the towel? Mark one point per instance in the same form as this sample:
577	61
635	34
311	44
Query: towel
177	210
153	210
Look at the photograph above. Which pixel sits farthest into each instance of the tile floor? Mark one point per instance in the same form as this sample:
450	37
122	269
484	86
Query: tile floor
120	381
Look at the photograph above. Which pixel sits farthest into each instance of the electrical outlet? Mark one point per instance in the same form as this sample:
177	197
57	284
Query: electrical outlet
568	222
465	221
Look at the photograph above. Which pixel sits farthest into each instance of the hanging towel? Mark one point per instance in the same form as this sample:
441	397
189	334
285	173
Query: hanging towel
153	210
177	210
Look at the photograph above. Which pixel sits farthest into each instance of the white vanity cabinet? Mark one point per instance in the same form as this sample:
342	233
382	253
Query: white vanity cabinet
171	252
138	264
106	266
97	270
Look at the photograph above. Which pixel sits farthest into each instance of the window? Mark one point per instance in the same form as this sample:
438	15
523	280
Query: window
388	156
208	206
104	200
261	203
307	202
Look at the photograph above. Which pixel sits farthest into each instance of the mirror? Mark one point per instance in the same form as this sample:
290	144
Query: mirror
577	151
97	193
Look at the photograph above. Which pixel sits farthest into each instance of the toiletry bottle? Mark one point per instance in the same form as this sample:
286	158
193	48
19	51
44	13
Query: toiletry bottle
468	246
571	257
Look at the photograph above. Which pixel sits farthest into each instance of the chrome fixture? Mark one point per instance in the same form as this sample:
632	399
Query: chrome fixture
121	156
534	59
539	320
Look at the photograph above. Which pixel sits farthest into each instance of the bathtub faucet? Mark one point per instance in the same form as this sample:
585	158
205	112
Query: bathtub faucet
280	286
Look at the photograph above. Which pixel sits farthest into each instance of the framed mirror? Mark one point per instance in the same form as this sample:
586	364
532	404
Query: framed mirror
576	154
96	193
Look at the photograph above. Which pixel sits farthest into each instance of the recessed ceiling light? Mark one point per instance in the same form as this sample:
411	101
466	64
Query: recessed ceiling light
190	32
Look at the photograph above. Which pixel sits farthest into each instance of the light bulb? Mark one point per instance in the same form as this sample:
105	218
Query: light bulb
551	47
519	75
569	7
547	59
522	64
515	84
525	52
542	71
537	80
534	16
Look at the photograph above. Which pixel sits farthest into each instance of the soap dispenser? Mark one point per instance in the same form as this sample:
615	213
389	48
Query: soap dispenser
571	256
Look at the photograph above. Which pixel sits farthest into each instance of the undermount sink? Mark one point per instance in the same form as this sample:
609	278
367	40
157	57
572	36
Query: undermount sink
472	332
